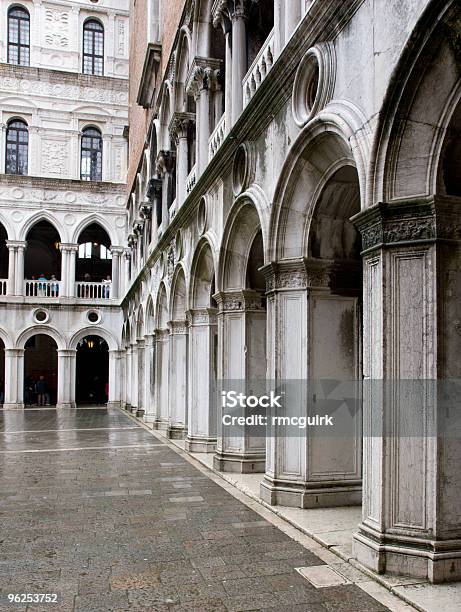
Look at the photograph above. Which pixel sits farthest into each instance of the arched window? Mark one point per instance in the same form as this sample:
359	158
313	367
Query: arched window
91	155
18	36
17	145
93	47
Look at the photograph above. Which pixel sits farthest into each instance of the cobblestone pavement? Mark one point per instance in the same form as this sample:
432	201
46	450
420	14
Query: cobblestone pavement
96	509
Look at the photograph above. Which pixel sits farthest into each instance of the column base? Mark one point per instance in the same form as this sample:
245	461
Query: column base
127	407
310	494
239	463
14	406
200	445
160	425
140	412
66	406
114	404
437	561
149	419
133	409
176	432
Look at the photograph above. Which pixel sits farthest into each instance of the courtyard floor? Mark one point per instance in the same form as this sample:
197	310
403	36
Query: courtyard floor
108	517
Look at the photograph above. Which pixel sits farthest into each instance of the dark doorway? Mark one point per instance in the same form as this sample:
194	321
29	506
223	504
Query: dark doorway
92	377
3	253
43	252
94	261
40	371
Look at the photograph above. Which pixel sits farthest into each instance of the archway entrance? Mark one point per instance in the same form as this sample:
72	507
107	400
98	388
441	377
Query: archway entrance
40	371
92	374
94	263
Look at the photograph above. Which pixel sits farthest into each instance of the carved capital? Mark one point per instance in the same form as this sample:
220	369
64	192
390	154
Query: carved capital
201	316
178	327
138	227
179	124
409	221
154	189
164	162
145	210
204	74
243	300
300	273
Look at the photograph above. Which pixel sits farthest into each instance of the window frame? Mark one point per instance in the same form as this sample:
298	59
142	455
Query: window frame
18	45
89	177
17	143
93	55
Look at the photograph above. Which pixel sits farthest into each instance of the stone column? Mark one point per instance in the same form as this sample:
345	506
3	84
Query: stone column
179	126
150	413
14	379
239	56
128	378
412	480
201	83
312	343
155	194
178	380
68	265
117	253
161	378
141	379
125	281
242	362
134	377
67	359
19	272
116	375
166	161
202	417
11	267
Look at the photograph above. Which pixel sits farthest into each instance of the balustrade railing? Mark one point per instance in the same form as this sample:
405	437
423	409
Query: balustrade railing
259	69
190	181
3	286
217	137
96	291
42	288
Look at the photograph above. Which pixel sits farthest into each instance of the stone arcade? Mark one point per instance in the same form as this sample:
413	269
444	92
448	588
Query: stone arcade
293	213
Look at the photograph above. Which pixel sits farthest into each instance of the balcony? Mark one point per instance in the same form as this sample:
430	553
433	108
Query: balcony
190	181
93	291
217	137
259	69
42	288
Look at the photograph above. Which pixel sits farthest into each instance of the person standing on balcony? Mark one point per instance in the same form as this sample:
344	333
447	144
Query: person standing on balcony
107	282
54	286
42	285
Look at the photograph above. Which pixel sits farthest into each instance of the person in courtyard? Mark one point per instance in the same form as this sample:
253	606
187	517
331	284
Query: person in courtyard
42	391
29	391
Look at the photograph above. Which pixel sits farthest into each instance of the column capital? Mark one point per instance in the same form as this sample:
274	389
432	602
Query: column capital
67	352
179	124
69	246
164	164
298	273
241	299
161	334
15	352
225	11
204	73
117	250
409	221
16	244
178	327
201	316
154	189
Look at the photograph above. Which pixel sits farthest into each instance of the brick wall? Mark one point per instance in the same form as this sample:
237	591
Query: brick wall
139	118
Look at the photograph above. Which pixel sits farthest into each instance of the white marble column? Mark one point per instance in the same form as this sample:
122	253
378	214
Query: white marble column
67	359
242	362
312	341
19	272
202	416
11	267
14	379
411	522
239	56
134	377
150	413
177	397
179	126
141	378
117	254
116	376
128	371
68	264
161	339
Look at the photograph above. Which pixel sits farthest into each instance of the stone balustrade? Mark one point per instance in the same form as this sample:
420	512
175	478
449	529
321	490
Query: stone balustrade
259	69
217	137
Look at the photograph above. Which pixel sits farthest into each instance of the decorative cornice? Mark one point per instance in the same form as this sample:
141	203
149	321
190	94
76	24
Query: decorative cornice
147	84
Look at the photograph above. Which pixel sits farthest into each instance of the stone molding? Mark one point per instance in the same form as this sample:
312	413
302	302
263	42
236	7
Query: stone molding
201	316
408	221
178	327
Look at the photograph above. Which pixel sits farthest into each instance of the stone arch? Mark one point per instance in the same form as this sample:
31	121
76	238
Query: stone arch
140	329
94	331
161	318
5	336
244	222
150	316
87	221
166	109
42	216
178	294
413	123
202	276
40	329
325	145
8	228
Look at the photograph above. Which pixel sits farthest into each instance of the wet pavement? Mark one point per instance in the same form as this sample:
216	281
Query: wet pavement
101	513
